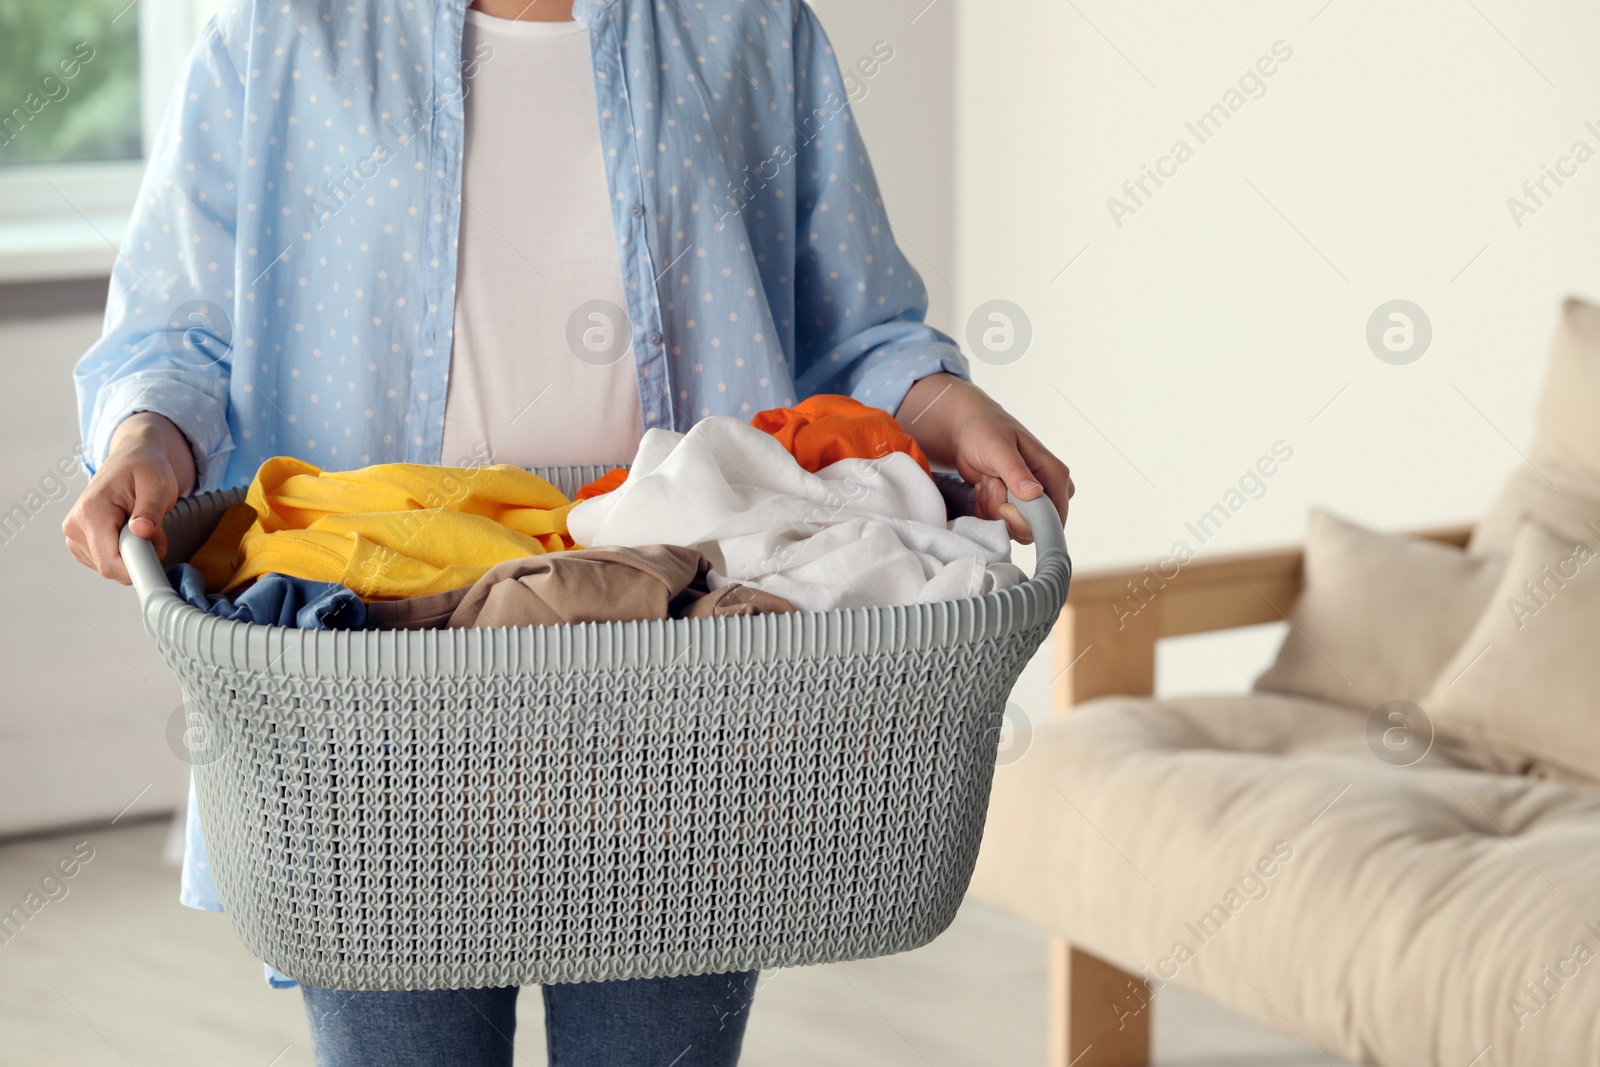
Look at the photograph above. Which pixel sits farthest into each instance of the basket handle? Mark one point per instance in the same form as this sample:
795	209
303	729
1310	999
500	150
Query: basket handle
145	570
1044	522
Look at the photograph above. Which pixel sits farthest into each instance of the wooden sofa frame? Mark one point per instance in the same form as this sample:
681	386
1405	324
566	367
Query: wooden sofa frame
1105	645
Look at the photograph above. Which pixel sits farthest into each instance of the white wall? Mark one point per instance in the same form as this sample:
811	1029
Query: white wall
1230	310
87	699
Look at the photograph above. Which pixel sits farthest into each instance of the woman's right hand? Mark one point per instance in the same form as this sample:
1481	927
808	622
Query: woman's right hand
148	466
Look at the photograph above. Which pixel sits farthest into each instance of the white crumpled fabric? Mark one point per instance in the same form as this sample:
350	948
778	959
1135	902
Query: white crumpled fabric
858	533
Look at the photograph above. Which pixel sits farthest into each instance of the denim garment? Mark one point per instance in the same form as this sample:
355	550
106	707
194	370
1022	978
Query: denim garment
653	1022
286	285
276	600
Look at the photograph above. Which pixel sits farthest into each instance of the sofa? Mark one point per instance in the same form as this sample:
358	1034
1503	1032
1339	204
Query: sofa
1391	846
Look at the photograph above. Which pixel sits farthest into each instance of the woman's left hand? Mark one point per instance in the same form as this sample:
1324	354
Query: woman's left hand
959	426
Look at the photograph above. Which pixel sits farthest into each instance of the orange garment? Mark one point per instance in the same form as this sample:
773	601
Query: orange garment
817	431
604	484
821	430
388	531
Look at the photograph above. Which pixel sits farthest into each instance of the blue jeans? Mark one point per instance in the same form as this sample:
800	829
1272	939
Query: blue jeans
649	1022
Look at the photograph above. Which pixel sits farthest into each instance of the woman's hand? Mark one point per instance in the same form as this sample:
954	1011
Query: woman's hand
148	466
959	426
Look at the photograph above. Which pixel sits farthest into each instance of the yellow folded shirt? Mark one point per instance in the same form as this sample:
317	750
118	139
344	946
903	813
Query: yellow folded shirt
387	532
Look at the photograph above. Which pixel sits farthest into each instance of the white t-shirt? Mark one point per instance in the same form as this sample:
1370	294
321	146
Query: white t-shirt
542	369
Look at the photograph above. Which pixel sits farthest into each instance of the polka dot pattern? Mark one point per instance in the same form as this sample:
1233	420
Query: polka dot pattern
287	284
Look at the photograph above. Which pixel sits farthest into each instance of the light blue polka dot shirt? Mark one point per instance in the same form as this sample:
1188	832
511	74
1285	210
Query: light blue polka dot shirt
286	286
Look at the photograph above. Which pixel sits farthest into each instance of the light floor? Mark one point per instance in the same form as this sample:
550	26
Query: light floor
118	973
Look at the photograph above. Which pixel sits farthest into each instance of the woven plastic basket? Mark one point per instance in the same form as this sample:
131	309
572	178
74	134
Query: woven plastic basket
468	808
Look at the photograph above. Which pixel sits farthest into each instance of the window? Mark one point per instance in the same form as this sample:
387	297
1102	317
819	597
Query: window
83	85
69	82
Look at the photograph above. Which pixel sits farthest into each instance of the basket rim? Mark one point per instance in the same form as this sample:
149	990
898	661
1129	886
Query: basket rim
186	632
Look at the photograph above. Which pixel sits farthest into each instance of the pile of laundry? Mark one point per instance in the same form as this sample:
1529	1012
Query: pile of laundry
829	504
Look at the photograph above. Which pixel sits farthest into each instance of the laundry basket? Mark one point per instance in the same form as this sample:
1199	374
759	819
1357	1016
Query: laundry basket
469	808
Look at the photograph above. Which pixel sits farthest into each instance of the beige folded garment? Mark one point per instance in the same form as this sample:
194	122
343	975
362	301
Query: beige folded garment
585	585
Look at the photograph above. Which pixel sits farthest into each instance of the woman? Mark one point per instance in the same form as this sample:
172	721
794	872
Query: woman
522	233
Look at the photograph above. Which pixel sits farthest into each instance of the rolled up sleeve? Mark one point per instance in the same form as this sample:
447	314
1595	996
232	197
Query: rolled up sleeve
196	404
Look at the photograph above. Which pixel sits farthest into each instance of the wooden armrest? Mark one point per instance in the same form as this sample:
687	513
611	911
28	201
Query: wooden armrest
1113	619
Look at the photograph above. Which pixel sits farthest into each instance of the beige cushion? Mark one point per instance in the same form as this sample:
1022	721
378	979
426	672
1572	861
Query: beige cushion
1528	496
1567	448
1399	929
1380	615
1561	485
1526	681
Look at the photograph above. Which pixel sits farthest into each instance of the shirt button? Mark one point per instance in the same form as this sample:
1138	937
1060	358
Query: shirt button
638	211
655	338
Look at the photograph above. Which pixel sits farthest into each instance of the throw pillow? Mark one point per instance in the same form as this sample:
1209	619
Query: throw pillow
1526	681
1380	615
1560	487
